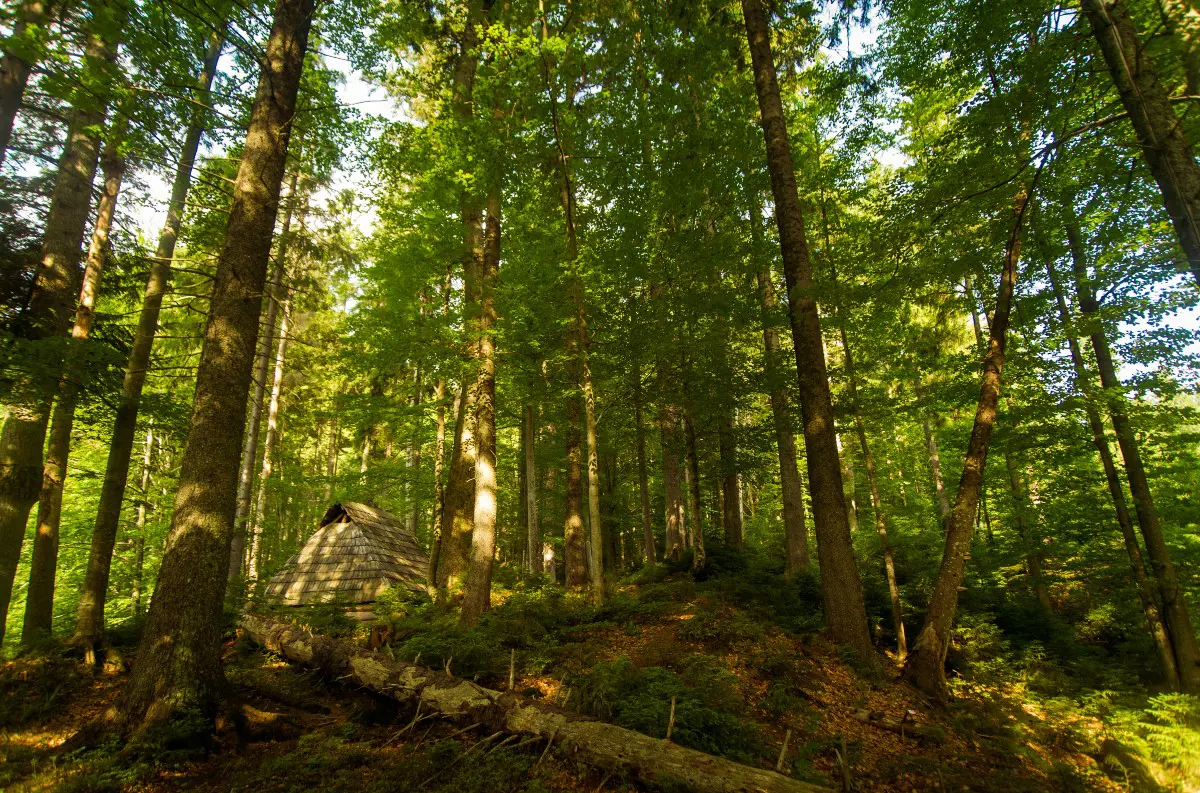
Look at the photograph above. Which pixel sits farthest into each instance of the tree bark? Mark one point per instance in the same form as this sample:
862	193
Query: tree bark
653	762
573	539
695	505
935	469
262	365
1083	384
89	616
178	665
731	519
669	426
1174	603
139	537
412	462
533	533
881	523
596	558
845	611
459	511
31	20
477	596
926	664
254	560
1164	145
39	601
48	316
648	550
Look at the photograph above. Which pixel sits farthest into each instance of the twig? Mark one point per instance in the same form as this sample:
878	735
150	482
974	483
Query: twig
459	759
671	721
501	745
602	782
546	751
783	752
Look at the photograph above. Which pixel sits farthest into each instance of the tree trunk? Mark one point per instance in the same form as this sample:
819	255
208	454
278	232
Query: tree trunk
1022	511
881	523
439	492
573	540
845	611
669	426
648	549
477	595
28	34
459	511
178	665
254	562
39	601
695	505
596	559
48	316
935	468
975	323
730	486
926	665
89	616
1147	101
795	532
1083	384
412	462
262	364
1175	609
332	451
139	538
651	762
533	533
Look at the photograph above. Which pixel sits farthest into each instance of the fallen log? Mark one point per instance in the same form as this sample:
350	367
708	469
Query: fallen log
606	746
906	728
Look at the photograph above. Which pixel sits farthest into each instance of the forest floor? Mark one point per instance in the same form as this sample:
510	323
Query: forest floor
743	668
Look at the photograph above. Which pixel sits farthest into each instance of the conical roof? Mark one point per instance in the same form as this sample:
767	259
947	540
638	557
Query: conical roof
357	552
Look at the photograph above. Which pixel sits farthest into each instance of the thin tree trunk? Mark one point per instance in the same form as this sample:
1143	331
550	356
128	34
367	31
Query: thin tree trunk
332	451
439	492
696	529
975	323
935	468
926	664
39	601
596	559
477	595
262	364
648	549
669	425
845	611
731	518
573	539
1175	609
254	562
794	529
89	616
413	462
48	316
31	20
881	523
1021	509
459	510
178	664
1164	145
1142	582
139	538
533	534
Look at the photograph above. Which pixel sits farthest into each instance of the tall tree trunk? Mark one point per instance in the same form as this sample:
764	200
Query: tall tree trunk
596	558
935	469
89	616
881	523
695	505
794	530
439	492
1083	384
648	550
39	601
669	426
926	664
48	316
845	611
1174	603
1023	513
139	537
332	451
258	391
254	561
533	533
28	34
731	518
975	323
573	539
179	657
459	510
412	462
1164	145
477	596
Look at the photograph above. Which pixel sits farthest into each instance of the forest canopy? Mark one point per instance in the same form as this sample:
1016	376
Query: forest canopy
886	309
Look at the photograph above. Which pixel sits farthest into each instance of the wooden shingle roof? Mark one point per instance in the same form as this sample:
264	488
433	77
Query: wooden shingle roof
357	552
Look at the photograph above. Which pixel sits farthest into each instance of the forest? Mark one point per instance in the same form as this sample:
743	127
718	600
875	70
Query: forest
599	395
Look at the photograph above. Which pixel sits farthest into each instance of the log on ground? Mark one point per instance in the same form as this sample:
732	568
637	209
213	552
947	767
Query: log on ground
614	749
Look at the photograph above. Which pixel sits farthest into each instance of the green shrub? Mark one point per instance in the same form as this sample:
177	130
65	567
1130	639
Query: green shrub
719	628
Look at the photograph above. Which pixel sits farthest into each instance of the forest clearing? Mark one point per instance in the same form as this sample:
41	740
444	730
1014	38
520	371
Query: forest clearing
599	395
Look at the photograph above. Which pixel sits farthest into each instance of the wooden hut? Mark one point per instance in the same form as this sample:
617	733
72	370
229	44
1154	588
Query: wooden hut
357	552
